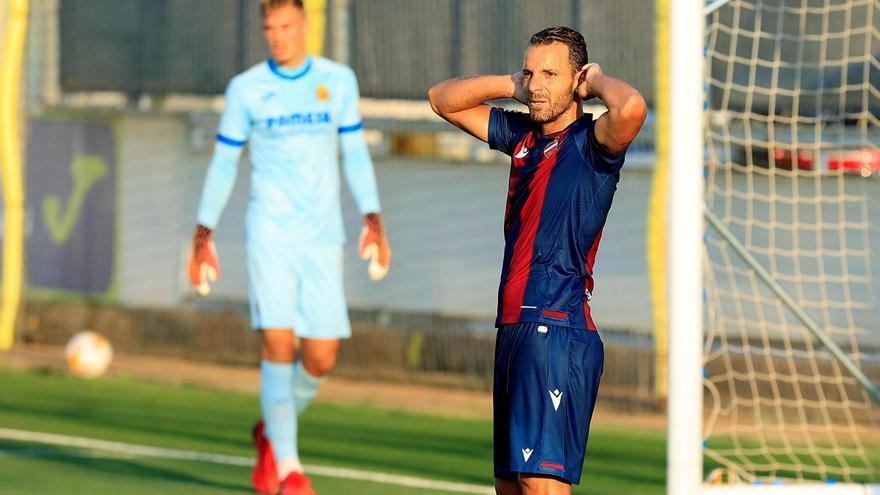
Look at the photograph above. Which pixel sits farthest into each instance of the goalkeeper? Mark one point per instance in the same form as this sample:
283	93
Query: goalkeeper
296	112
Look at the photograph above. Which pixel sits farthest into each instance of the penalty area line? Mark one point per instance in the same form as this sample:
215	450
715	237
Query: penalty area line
136	450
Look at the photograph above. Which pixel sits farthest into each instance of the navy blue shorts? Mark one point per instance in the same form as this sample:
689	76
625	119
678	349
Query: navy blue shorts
546	381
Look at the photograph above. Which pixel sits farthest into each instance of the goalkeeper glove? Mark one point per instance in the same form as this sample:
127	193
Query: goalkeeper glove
204	266
373	245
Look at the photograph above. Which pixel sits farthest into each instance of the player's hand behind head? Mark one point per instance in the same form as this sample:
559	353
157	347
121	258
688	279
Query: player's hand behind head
204	267
373	245
587	73
519	93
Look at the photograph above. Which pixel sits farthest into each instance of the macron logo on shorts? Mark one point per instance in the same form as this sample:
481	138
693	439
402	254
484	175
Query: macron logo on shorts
527	453
556	397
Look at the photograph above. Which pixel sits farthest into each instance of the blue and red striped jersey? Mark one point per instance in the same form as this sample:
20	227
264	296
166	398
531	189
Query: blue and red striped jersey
560	191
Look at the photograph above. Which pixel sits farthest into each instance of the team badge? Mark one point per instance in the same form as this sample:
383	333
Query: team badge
322	93
551	148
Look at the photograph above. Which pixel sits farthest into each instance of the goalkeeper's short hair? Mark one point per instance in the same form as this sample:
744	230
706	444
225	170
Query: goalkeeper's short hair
577	46
267	6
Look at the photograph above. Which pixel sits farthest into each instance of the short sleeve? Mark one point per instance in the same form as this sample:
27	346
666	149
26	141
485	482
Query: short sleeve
349	113
235	124
506	129
604	160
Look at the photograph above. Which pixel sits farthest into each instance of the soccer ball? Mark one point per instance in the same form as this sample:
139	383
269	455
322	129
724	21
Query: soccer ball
88	354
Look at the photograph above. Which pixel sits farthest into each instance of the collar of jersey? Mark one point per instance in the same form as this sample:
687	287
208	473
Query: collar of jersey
569	126
292	73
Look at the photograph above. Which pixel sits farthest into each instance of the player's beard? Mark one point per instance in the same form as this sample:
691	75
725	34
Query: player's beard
552	110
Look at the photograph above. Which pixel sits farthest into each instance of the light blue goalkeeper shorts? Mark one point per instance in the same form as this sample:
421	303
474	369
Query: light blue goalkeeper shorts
298	287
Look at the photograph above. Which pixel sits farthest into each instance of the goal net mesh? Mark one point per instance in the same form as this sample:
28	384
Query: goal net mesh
792	159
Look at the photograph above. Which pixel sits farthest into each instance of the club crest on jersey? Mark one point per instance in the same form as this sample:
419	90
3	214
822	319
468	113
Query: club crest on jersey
551	148
322	93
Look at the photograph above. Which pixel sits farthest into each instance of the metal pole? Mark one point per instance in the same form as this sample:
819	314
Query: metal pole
789	302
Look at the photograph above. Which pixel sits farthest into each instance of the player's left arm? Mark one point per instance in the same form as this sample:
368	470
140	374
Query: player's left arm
361	177
627	109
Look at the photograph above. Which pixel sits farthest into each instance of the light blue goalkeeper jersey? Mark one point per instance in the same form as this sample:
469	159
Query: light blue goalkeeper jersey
292	122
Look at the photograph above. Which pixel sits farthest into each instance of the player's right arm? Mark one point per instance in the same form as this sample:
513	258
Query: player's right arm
233	133
462	101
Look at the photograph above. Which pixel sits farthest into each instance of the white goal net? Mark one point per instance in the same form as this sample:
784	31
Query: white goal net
792	164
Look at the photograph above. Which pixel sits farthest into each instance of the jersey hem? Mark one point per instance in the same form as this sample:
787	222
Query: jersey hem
536	315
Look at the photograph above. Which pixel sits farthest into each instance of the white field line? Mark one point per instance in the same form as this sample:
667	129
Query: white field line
231	460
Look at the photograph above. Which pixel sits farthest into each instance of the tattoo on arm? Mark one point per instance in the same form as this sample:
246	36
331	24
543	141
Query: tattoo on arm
466	78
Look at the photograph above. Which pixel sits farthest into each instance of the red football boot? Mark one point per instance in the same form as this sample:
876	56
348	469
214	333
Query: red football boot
265	474
297	484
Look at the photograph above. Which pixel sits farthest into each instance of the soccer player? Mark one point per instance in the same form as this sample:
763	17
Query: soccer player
565	169
295	112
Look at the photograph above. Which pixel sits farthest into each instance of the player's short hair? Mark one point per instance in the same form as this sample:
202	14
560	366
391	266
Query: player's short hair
267	6
577	46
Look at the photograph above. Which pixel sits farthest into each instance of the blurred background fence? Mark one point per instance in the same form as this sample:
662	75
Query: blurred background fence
161	47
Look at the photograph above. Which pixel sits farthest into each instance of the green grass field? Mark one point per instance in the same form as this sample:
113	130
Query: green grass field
190	418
